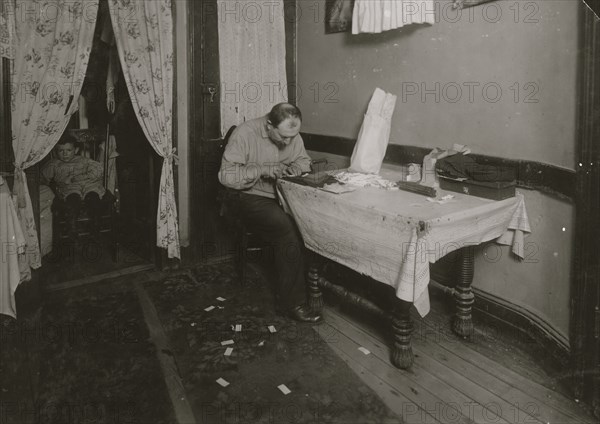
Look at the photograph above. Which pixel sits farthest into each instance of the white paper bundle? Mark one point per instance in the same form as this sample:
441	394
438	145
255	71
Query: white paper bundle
374	134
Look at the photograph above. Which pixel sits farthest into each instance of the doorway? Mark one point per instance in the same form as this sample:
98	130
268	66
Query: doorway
211	238
137	170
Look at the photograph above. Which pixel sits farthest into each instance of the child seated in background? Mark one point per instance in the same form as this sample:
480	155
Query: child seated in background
76	178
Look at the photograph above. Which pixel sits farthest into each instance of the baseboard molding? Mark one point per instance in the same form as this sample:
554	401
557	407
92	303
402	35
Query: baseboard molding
549	179
516	318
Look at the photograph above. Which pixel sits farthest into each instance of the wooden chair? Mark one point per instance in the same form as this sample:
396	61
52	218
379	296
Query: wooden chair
245	240
89	143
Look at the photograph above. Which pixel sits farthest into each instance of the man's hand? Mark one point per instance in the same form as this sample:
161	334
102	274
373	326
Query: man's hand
280	170
273	171
292	171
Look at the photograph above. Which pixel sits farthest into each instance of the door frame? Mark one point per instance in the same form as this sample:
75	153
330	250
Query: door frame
585	285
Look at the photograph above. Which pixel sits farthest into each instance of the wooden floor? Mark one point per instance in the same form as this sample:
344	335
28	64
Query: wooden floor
452	380
89	262
493	378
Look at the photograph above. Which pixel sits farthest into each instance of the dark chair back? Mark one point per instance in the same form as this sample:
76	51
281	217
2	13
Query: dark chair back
226	197
228	135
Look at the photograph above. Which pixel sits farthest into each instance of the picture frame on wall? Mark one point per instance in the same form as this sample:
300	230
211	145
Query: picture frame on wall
338	15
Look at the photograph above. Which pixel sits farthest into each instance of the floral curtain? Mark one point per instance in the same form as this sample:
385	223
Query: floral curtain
144	35
54	39
8	35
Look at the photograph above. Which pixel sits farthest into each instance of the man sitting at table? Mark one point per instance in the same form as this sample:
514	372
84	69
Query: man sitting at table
258	152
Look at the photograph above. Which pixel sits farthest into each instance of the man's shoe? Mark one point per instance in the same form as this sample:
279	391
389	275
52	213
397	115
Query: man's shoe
303	313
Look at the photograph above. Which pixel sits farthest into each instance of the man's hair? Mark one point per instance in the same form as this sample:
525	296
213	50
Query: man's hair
66	139
283	111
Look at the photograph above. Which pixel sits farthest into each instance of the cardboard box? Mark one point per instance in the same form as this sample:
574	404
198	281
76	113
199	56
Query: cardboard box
487	190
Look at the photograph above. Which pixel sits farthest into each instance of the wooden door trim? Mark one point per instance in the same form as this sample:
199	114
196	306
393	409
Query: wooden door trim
585	288
181	112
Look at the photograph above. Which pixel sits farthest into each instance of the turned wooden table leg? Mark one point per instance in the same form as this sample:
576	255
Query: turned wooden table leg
315	297
463	294
402	328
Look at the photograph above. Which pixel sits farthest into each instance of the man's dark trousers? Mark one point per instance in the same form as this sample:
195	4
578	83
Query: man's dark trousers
265	217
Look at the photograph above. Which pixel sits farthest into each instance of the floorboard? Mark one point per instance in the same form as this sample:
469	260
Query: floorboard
396	401
536	398
90	261
451	370
505	345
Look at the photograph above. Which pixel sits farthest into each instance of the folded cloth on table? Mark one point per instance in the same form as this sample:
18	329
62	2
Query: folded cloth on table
365	180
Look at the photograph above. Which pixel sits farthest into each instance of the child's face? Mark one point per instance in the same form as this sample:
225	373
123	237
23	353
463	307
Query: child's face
66	152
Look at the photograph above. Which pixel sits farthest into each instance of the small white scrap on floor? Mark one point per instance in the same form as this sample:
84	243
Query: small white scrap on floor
221	307
284	389
364	350
193	324
262	343
272	329
227	342
238	327
221	299
228	351
210	308
223	382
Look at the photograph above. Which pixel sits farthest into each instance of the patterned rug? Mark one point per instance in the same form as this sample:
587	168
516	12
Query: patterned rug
201	311
95	362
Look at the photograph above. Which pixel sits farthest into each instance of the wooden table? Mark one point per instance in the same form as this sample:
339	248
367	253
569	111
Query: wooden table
393	236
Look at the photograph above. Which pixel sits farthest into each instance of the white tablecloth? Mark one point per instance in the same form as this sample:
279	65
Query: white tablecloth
393	236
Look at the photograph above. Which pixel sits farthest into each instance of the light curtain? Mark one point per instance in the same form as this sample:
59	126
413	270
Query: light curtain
54	43
13	245
144	35
375	16
8	32
252	59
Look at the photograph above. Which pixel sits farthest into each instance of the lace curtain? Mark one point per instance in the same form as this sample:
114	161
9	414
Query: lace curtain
252	59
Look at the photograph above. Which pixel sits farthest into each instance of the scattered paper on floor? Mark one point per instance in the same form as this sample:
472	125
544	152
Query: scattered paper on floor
284	389
364	350
227	342
223	382
228	351
238	327
221	299
272	329
210	308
